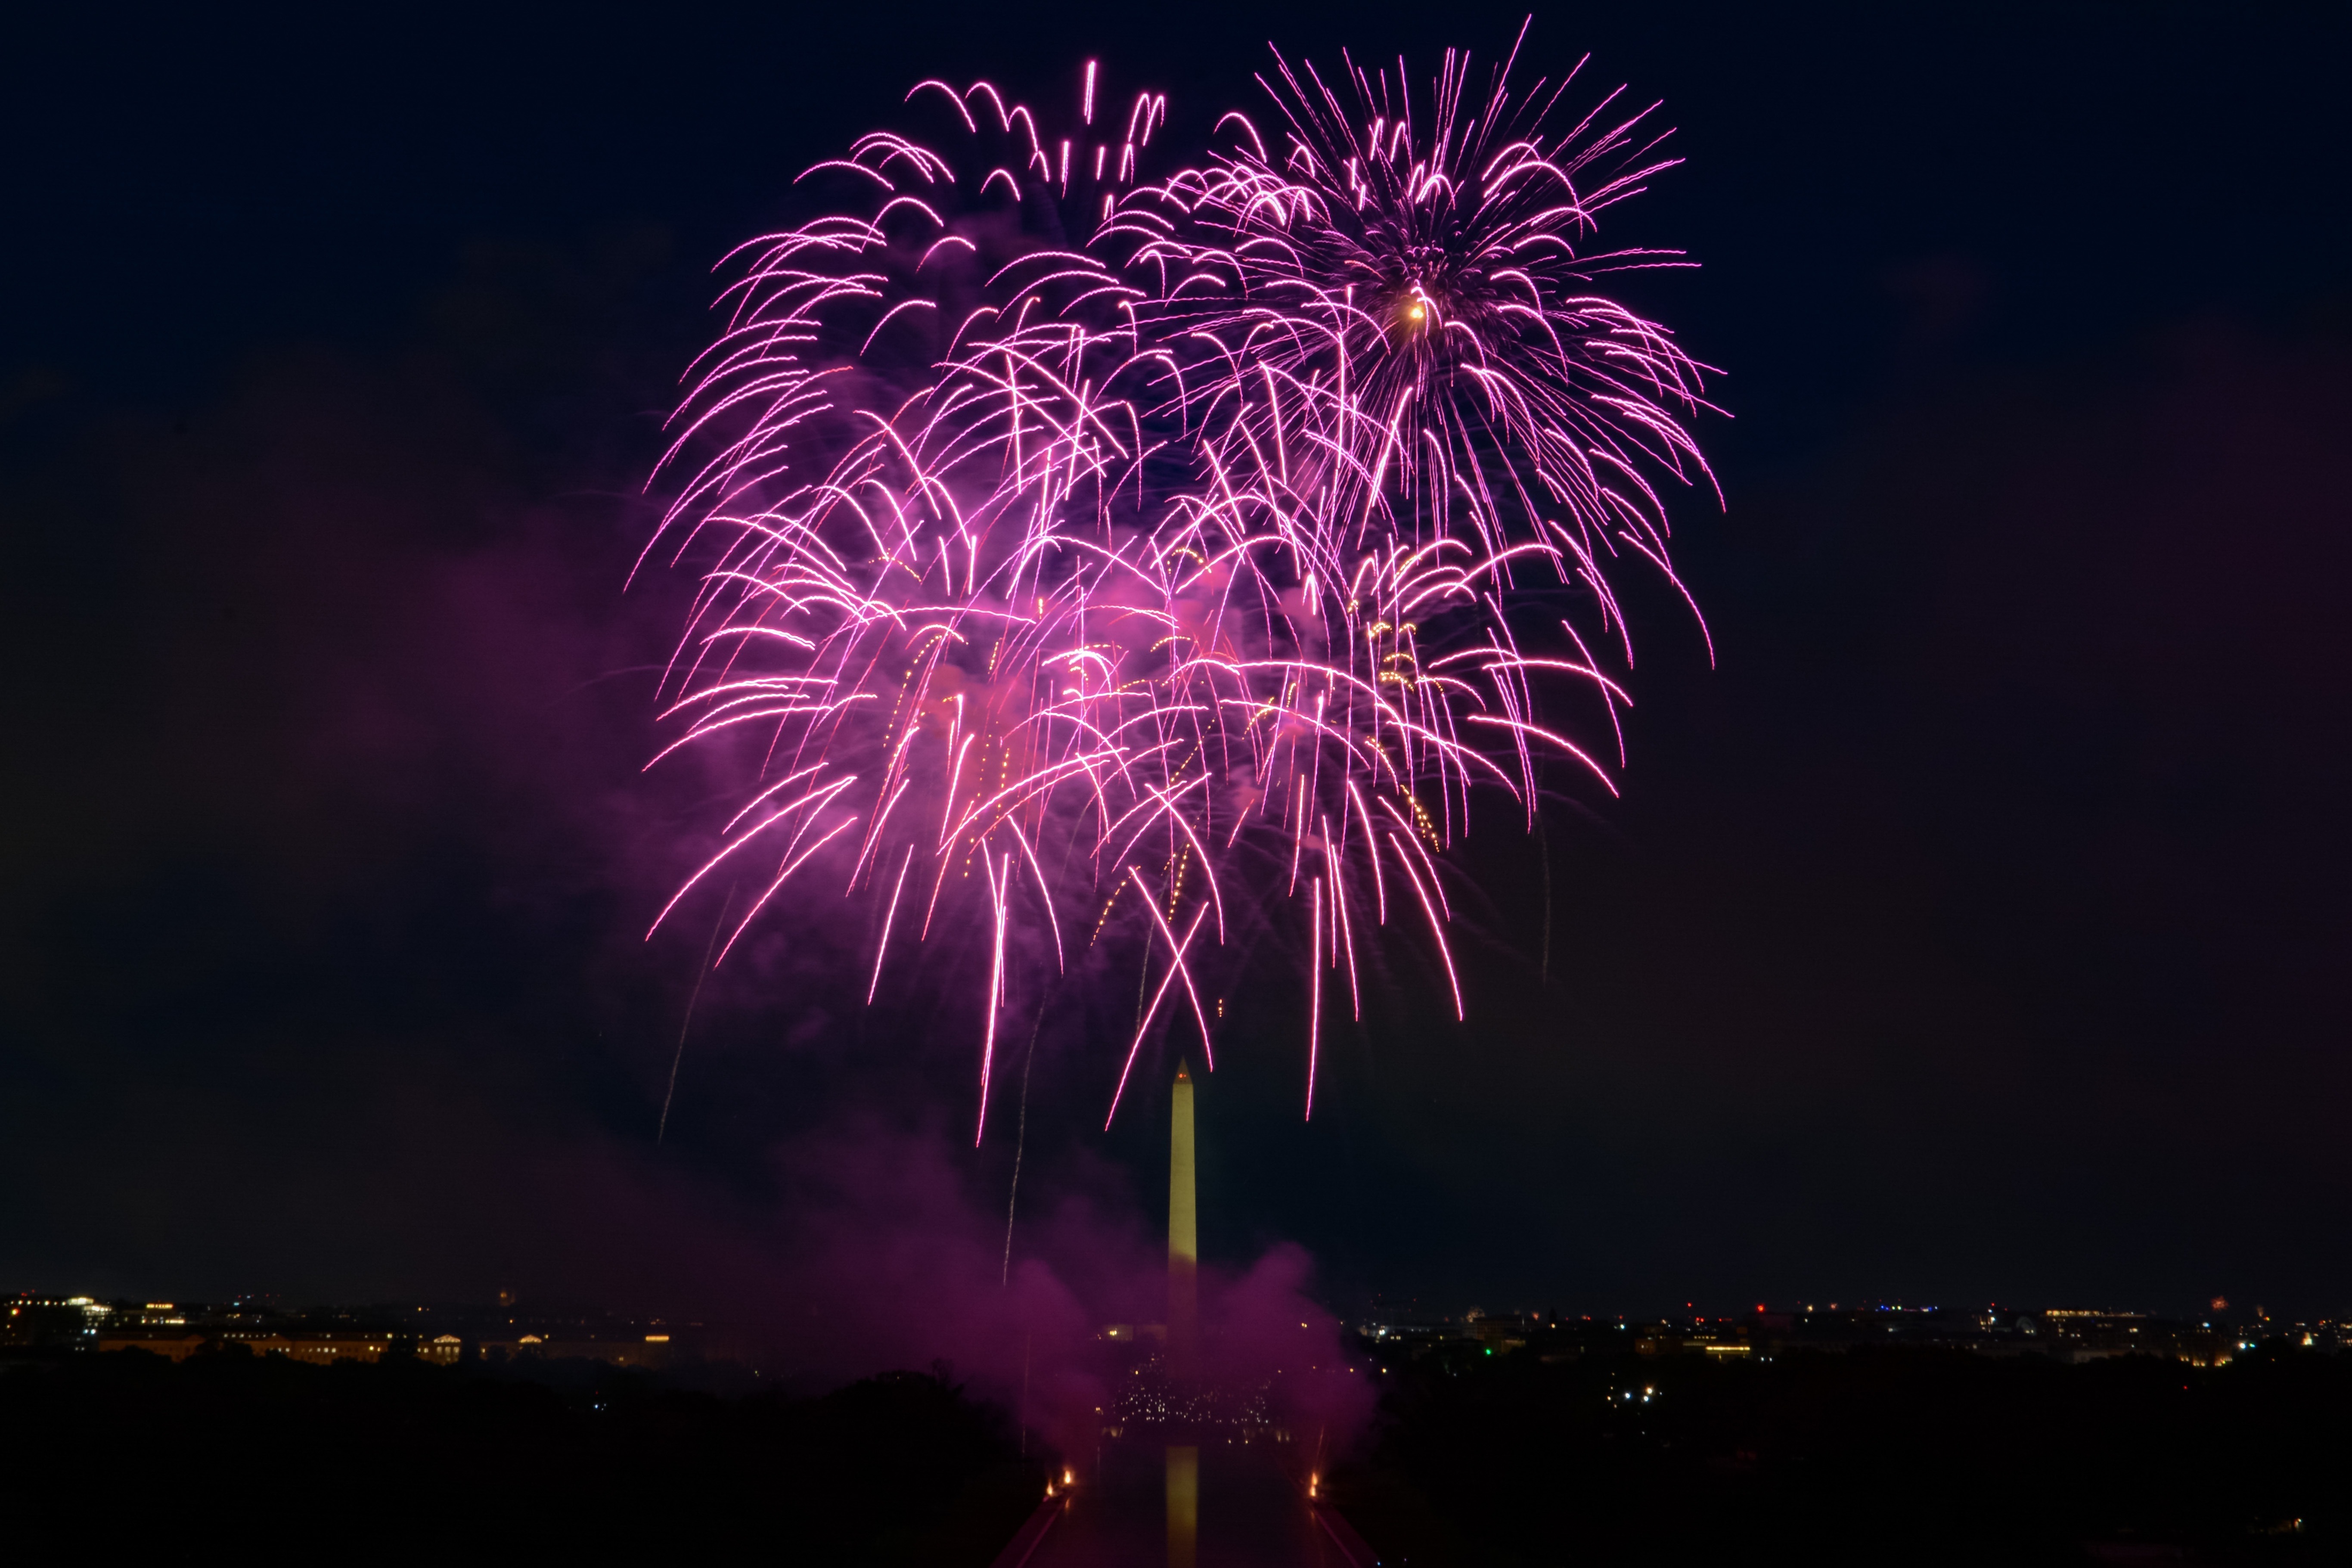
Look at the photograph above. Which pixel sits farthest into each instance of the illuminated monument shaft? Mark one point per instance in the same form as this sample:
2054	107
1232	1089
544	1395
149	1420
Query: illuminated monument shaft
1183	1322
1183	1241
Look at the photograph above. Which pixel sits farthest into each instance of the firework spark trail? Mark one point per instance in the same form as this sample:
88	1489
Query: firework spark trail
1410	407
1046	512
902	462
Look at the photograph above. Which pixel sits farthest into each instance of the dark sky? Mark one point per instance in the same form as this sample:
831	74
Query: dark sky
1975	929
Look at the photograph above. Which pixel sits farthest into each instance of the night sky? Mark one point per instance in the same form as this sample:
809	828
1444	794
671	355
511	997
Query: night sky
1976	928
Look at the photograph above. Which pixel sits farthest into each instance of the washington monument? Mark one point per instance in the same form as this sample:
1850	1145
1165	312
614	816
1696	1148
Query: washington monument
1183	1241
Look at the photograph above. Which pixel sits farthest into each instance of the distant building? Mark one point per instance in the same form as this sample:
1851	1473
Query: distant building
649	1351
170	1347
318	1349
36	1321
1500	1334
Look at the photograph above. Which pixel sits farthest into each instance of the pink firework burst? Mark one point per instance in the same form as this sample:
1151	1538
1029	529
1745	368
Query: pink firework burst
1145	544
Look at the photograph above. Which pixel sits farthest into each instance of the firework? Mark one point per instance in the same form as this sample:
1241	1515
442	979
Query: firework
1145	544
1425	443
